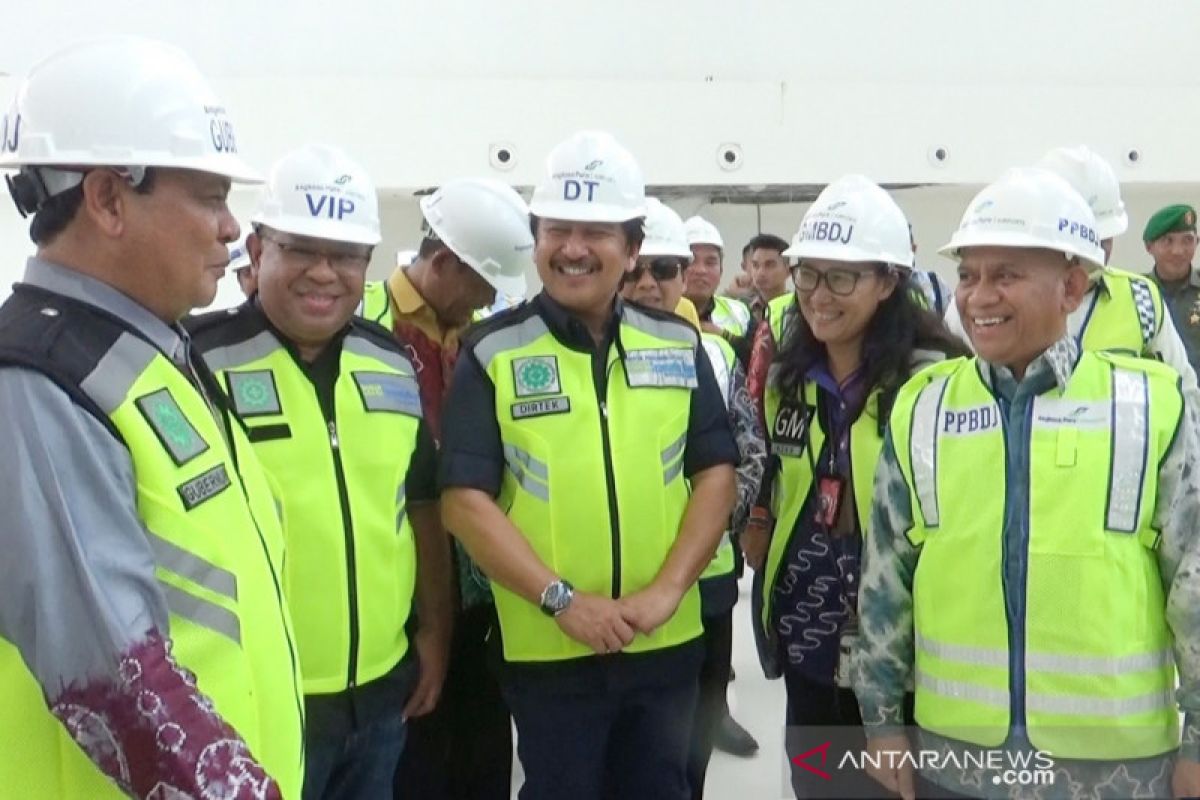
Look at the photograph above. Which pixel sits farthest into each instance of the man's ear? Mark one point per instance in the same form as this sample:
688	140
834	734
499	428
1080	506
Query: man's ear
1075	283
254	248
105	201
443	261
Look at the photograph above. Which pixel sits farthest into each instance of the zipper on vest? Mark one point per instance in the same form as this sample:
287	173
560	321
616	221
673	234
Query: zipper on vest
600	378
351	567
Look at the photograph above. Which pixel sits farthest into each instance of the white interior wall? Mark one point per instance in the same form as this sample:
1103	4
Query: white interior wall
807	91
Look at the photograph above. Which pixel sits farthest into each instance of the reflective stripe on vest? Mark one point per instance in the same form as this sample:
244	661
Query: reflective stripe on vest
553	429
349	580
789	427
212	527
1096	655
730	315
723	361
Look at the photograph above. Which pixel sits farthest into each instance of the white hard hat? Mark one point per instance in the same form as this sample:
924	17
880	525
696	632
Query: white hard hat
486	224
318	191
239	254
701	231
1029	207
118	102
853	219
590	177
1093	178
665	234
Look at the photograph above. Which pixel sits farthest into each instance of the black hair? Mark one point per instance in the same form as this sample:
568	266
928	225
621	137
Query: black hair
900	325
632	228
429	246
56	213
766	241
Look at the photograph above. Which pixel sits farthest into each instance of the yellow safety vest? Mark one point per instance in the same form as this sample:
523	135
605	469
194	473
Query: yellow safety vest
210	519
593	481
791	431
376	304
777	312
730	315
1126	313
351	556
1094	674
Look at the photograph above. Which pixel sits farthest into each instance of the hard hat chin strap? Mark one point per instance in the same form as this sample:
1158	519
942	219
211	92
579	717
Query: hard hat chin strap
33	187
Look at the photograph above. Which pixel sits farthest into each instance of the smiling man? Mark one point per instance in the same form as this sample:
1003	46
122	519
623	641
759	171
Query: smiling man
1059	486
333	410
588	469
145	648
1170	238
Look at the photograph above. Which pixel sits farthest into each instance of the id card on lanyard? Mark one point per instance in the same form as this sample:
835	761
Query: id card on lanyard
834	520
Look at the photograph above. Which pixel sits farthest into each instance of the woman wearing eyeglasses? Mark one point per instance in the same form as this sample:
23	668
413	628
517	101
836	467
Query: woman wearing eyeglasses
851	338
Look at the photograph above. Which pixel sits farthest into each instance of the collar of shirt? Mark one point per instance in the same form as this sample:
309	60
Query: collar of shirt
170	339
849	392
318	364
687	310
1053	367
409	306
707	312
1172	287
848	399
569	329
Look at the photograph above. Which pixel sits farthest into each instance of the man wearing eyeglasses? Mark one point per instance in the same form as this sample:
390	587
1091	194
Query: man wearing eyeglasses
1170	238
332	408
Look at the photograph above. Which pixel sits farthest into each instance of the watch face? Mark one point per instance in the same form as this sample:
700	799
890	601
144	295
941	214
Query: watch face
556	597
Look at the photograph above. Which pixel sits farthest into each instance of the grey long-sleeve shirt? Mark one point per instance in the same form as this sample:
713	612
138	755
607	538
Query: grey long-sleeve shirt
78	594
884	659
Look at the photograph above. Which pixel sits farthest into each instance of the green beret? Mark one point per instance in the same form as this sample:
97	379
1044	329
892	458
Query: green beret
1170	220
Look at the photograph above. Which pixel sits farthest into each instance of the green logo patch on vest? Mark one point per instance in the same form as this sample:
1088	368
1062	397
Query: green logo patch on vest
541	408
666	367
536	375
204	486
383	391
254	393
166	418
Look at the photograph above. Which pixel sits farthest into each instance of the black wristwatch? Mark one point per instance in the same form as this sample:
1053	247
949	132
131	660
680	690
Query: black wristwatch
556	597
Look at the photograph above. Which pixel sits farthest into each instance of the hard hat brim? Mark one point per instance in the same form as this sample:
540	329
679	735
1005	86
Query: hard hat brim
329	230
953	248
227	166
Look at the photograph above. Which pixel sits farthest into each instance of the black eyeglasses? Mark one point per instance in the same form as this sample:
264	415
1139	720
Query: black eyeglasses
661	269
306	257
841	281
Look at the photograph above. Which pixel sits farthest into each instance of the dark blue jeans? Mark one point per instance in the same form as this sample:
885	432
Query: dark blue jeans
358	765
609	732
